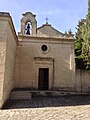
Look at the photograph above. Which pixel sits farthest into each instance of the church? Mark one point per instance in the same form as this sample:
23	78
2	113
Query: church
44	57
40	59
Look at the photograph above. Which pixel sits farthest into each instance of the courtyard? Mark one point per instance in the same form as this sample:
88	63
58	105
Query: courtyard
76	107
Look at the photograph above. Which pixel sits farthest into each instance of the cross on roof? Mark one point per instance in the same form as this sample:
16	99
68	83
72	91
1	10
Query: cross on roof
46	20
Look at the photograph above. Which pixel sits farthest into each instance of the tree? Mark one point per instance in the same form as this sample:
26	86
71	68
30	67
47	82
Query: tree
82	43
82	46
86	43
81	28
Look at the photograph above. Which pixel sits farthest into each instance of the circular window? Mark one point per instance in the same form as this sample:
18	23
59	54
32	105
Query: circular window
44	48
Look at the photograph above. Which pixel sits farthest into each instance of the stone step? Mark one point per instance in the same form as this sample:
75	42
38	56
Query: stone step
28	94
56	93
20	95
51	93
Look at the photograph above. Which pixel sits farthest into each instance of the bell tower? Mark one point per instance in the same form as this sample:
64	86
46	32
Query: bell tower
28	24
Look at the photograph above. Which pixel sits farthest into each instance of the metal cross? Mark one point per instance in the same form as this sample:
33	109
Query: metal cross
46	20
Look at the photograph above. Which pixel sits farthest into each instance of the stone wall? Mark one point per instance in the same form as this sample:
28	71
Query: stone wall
3	35
7	56
82	80
58	58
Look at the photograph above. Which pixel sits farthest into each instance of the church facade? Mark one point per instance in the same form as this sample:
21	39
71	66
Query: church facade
36	59
44	57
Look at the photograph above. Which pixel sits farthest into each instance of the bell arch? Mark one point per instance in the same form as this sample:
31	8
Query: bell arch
28	24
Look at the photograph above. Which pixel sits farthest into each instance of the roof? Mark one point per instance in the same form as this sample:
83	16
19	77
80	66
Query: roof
47	30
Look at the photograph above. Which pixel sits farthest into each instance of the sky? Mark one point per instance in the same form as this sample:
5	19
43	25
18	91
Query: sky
62	14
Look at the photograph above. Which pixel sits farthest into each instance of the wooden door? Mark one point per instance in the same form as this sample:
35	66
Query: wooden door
43	82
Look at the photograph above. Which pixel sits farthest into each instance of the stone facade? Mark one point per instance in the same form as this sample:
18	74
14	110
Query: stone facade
58	57
38	58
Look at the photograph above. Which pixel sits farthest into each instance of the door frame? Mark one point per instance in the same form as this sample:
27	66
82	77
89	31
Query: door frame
40	62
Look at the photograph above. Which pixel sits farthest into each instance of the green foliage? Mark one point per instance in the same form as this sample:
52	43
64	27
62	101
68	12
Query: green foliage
82	44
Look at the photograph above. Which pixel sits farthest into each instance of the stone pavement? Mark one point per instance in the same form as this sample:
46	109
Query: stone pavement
48	108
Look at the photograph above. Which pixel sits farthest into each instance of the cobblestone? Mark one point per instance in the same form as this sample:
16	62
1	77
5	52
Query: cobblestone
48	108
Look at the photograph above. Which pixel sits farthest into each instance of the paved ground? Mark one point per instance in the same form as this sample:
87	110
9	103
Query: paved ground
48	108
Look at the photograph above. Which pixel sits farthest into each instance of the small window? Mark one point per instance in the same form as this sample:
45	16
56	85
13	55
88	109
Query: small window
44	48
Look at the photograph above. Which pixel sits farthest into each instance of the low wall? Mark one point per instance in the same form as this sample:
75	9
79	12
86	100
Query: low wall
82	80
